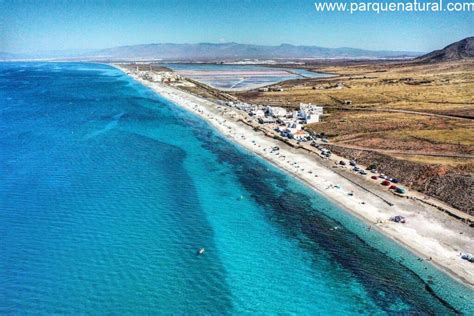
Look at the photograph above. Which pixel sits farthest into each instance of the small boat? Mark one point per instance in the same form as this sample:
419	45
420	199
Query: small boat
201	251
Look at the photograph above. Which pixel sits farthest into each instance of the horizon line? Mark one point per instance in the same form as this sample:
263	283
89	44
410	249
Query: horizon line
211	43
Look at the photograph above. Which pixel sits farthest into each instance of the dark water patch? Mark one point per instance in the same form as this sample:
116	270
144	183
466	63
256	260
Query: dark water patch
141	117
386	280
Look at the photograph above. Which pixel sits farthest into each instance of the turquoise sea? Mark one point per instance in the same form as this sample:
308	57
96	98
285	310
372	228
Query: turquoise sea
107	191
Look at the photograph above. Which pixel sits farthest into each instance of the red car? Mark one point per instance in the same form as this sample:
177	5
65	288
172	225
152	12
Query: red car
373	177
385	182
392	187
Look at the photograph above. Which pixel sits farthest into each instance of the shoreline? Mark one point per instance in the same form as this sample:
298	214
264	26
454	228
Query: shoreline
441	240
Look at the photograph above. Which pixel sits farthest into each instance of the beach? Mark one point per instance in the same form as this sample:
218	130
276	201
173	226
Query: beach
431	234
110	190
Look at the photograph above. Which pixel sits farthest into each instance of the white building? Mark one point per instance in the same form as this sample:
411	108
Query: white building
310	113
266	120
258	113
291	129
299	135
162	76
245	107
311	118
276	111
293	114
294	133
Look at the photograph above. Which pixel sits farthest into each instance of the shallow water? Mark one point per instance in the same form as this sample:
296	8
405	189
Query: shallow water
107	191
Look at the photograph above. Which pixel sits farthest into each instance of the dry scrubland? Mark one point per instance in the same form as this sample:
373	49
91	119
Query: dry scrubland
444	88
416	121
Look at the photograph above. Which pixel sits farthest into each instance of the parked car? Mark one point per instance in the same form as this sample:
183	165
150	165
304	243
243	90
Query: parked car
385	183
398	219
392	187
400	191
373	177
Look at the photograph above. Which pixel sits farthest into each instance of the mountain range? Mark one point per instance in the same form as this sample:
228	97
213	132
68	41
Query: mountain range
235	51
238	52
214	51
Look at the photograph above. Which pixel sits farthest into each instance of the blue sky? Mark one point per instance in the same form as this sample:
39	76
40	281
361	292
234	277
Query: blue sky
41	25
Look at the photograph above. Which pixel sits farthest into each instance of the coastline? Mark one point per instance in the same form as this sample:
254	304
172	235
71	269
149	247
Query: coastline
441	240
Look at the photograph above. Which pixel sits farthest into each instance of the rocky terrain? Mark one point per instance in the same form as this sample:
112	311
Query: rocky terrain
453	185
463	49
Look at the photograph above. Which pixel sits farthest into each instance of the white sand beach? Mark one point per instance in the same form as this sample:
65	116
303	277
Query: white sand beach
433	235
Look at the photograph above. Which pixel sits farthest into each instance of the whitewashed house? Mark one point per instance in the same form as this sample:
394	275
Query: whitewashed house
258	113
276	111
310	113
299	135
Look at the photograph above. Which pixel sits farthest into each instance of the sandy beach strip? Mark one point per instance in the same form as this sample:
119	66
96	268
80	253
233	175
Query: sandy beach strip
429	233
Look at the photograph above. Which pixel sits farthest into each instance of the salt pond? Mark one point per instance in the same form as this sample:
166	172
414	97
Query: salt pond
240	77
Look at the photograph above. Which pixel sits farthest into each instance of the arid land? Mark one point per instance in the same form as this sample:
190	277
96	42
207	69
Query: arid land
414	121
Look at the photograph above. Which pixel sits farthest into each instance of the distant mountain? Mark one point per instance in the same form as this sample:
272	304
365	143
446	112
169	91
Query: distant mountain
235	51
214	52
463	49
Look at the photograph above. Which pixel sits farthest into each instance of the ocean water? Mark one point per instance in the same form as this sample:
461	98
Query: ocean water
240	77
107	191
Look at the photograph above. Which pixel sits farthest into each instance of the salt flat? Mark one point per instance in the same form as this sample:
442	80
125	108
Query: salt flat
239	77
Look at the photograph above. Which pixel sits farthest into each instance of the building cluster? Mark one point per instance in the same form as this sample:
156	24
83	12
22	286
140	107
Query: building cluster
271	89
161	76
289	123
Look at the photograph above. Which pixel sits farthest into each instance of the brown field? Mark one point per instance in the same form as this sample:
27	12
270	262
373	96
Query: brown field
394	106
399	131
444	88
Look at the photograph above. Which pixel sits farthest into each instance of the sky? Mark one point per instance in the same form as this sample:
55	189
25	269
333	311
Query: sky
28	26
